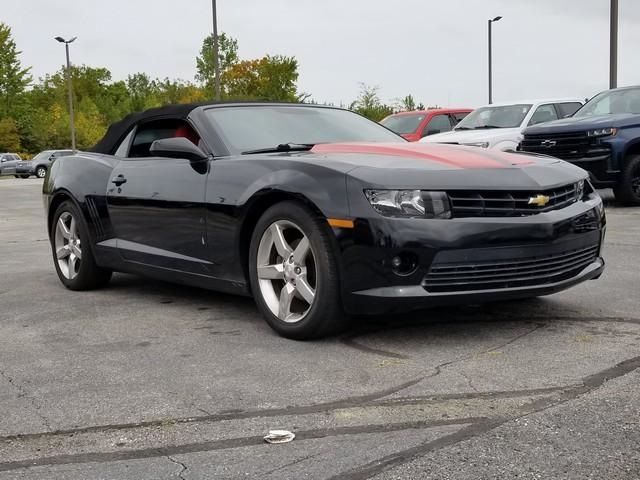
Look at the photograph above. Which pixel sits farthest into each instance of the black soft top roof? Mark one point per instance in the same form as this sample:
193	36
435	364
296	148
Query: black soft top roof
117	131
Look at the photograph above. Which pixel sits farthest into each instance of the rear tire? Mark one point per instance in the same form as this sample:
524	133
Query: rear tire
41	172
25	176
628	189
294	273
72	253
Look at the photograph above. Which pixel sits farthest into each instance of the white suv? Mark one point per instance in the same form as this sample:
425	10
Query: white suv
500	125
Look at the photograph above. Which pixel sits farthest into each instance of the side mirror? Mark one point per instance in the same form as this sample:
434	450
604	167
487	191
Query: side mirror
177	147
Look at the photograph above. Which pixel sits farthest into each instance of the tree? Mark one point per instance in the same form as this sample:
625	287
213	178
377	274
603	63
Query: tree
9	136
13	78
270	78
143	92
369	104
227	55
408	103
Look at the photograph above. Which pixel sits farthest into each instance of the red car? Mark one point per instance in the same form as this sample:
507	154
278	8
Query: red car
420	123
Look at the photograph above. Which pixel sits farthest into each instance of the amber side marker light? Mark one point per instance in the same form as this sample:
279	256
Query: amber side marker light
339	223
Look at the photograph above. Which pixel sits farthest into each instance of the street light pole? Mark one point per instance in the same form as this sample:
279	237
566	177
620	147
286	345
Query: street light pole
216	59
490	22
70	87
613	54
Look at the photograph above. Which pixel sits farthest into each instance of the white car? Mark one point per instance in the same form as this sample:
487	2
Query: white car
500	125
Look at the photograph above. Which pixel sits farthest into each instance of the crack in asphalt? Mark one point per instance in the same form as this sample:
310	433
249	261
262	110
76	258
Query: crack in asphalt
180	464
271	412
225	444
589	384
287	465
22	393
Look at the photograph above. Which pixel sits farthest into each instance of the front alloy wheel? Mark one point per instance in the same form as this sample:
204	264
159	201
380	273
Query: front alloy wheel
294	272
287	271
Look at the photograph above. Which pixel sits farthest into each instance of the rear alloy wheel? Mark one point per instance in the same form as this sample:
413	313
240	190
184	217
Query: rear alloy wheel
628	190
41	172
294	273
72	254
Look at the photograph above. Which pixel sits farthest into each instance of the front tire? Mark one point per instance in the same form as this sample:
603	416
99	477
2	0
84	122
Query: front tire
628	189
72	254
25	176
294	273
41	172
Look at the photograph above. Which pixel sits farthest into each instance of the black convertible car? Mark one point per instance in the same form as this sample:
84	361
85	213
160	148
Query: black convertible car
318	213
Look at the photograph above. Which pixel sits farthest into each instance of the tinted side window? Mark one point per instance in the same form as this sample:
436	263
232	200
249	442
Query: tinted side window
568	109
148	133
544	113
438	124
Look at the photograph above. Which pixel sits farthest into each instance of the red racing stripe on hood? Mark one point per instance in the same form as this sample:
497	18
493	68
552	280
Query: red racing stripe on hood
452	155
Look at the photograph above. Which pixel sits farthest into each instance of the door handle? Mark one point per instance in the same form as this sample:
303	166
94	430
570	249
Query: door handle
119	180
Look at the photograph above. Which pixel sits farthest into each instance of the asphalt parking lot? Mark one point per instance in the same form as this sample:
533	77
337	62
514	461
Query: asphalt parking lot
148	380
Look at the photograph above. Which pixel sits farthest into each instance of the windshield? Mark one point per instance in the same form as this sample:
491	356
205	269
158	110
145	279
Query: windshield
613	101
254	127
503	116
403	123
42	155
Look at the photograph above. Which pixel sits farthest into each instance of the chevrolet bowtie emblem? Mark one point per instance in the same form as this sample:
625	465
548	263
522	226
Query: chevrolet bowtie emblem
539	200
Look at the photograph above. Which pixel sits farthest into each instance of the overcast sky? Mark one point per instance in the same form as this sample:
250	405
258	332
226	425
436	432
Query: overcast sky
434	49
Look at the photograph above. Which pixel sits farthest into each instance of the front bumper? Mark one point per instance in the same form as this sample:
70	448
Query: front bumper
485	259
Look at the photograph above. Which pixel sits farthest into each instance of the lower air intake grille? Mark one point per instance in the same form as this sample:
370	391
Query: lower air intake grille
523	272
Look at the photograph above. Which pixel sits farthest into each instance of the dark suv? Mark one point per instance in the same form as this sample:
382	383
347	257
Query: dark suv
603	137
40	163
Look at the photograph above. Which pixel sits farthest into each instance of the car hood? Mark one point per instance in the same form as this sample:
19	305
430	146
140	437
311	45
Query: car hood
573	124
491	135
419	165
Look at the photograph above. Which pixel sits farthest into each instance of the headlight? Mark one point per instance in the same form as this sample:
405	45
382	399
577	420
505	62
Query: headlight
602	132
476	144
579	190
410	203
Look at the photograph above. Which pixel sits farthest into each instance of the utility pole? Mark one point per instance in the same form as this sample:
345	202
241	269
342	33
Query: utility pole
70	87
613	45
490	22
216	59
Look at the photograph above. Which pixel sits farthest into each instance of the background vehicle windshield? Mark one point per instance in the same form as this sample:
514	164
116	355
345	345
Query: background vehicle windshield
615	101
245	128
403	123
504	116
42	155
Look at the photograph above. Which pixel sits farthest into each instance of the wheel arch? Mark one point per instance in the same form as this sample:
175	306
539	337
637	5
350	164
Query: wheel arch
57	199
259	203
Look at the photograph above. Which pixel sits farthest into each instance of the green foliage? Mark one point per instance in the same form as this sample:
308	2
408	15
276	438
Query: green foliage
9	135
13	78
227	55
271	78
369	104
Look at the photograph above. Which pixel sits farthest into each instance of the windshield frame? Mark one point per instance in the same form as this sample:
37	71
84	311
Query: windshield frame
462	125
223	146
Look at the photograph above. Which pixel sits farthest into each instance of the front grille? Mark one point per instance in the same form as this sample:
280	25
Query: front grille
502	274
509	203
567	146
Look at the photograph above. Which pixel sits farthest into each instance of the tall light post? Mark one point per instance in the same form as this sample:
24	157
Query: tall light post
216	59
613	53
70	86
496	19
